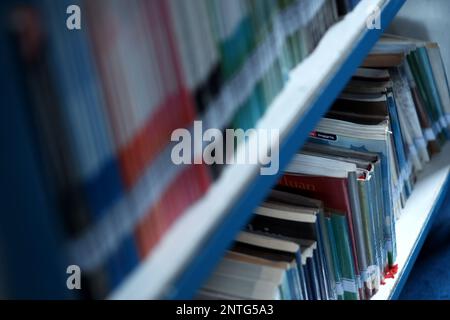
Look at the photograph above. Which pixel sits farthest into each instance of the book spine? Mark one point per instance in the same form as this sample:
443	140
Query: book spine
320	286
381	214
404	173
358	230
328	261
297	284
344	252
285	289
307	280
302	274
336	262
418	70
441	79
432	90
376	231
321	262
369	233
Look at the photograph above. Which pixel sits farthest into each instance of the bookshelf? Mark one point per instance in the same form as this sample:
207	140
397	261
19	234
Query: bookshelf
210	225
415	221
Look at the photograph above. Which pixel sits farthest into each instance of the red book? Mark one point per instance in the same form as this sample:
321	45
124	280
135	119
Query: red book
188	187
332	191
139	144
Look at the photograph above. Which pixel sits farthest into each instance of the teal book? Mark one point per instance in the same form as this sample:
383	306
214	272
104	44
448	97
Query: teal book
333	274
432	89
440	75
416	64
376	216
399	148
369	224
334	258
343	249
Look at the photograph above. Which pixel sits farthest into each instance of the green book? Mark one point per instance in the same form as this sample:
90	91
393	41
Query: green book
331	257
334	258
343	249
367	198
437	65
425	82
342	240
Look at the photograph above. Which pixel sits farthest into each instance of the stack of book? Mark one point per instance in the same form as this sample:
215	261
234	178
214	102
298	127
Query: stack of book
105	99
327	231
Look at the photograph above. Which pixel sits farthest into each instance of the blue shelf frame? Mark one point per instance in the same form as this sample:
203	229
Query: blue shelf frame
199	268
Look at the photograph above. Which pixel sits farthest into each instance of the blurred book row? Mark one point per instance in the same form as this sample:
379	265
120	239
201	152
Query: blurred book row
327	230
104	100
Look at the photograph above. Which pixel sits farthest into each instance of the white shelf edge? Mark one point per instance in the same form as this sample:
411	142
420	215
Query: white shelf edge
416	215
170	256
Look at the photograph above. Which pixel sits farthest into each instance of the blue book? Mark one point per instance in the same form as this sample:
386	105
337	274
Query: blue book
96	166
296	282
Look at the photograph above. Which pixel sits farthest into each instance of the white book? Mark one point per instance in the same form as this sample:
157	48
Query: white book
243	288
284	211
314	165
251	271
256	260
267	242
371	73
360	131
389	44
375	97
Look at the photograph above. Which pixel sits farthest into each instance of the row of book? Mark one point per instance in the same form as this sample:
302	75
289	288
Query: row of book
327	231
105	99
